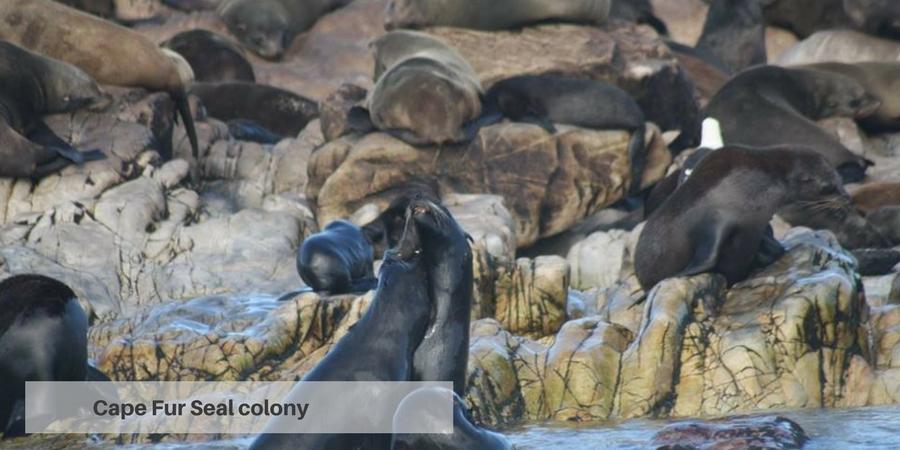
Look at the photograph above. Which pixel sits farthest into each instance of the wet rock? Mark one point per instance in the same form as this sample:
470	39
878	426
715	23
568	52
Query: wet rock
767	432
531	299
548	182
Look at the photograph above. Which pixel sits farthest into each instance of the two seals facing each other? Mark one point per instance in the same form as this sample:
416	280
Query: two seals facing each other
769	106
426	92
43	337
492	14
267	27
715	221
85	41
31	86
337	260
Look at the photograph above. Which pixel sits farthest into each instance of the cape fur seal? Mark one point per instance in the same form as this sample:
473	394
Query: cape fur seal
426	92
880	79
805	17
31	86
549	99
715	221
213	58
277	110
492	14
109	53
337	260
379	347
43	337
267	27
735	33
465	436
845	46
767	106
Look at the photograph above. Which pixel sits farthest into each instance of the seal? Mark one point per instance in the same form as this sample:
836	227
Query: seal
845	46
267	27
426	92
637	11
784	102
881	80
716	220
887	221
873	196
805	17
213	57
878	17
43	337
492	14
83	40
379	347
337	260
549	99
277	110
31	86
735	33
465	436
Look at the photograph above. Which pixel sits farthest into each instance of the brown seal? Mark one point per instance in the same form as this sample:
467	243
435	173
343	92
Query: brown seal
872	196
715	221
426	91
31	86
882	80
492	14
109	53
768	106
267	27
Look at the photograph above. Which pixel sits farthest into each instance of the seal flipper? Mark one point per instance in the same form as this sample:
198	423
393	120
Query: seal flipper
770	250
248	130
42	135
184	110
472	128
706	255
359	120
851	172
540	121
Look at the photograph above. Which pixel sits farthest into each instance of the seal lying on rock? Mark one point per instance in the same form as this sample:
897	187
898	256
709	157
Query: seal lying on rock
337	260
881	80
31	86
109	53
43	337
716	220
465	436
267	27
548	99
277	110
379	347
768	106
492	14
212	57
426	91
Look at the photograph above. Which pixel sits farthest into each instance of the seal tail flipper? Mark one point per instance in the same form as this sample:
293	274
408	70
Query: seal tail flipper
42	134
770	250
472	128
248	130
51	167
637	155
183	109
706	255
876	261
540	121
359	120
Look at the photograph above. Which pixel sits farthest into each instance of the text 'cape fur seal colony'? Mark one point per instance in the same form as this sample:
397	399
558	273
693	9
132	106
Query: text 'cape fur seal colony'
715	221
85	41
31	86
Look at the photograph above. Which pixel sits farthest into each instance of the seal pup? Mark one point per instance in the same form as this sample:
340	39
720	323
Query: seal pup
715	221
735	33
267	27
213	58
337	260
63	33
492	14
767	106
43	337
379	347
426	92
31	86
277	110
548	99
881	80
465	436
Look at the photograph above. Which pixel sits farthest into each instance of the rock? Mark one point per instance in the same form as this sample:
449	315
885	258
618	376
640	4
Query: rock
766	432
334	109
631	57
548	184
531	299
683	18
596	261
